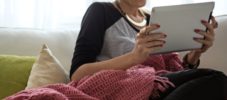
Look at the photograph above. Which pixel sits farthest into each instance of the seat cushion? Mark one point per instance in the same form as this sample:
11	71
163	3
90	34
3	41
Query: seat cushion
14	73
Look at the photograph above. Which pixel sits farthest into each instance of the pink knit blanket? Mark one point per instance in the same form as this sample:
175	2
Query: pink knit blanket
137	83
133	84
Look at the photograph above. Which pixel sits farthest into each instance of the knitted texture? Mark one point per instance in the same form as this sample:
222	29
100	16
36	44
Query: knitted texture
168	62
136	83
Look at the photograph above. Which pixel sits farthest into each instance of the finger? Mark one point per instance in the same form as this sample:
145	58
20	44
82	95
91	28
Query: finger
150	37
149	28
152	27
161	39
140	41
204	42
204	34
209	26
156	36
154	49
155	43
214	22
213	19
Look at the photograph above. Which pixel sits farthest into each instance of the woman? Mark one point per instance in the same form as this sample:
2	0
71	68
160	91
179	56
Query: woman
114	36
112	61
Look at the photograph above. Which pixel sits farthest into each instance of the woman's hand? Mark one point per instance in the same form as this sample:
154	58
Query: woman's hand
208	36
207	40
148	42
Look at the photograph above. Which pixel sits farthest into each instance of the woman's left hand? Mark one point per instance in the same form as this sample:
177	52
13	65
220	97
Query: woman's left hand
208	36
207	40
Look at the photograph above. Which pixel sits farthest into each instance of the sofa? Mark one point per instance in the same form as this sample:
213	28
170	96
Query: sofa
28	43
21	50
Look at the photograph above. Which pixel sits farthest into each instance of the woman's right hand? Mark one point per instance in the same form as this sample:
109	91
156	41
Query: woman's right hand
147	42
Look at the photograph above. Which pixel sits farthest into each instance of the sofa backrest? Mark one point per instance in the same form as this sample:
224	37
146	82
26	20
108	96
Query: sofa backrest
62	43
28	42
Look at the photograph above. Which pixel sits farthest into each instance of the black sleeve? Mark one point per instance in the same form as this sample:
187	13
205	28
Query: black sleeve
90	39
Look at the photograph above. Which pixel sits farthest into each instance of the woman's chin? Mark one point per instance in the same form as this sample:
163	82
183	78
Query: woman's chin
141	3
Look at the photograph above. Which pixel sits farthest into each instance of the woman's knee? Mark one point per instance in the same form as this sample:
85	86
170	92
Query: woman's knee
210	71
217	74
220	79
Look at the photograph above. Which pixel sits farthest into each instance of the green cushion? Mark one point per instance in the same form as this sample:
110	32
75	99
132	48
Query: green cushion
14	73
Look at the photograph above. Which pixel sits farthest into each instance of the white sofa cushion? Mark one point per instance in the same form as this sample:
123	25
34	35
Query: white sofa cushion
46	70
27	42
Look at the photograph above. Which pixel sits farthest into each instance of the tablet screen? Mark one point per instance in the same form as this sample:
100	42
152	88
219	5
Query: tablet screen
178	23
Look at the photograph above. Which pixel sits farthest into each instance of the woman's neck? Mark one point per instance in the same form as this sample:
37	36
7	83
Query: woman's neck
132	13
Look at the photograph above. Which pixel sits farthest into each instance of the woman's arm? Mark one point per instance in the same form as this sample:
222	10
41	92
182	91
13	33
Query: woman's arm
118	63
90	39
145	45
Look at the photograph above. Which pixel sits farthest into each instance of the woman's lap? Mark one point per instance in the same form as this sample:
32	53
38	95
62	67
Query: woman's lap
196	84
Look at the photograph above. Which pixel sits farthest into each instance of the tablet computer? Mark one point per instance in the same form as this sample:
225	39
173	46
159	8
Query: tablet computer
178	23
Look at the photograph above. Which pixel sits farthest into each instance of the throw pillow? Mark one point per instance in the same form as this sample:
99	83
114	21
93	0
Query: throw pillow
46	70
14	73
